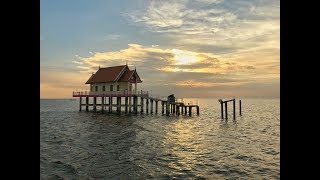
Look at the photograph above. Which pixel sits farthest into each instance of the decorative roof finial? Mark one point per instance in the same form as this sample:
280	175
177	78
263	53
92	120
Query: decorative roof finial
134	68
126	63
99	67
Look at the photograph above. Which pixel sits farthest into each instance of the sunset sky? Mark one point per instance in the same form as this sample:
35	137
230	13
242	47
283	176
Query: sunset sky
192	48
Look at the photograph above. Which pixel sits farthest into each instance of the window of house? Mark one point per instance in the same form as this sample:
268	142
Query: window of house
103	88
118	88
111	87
96	88
91	87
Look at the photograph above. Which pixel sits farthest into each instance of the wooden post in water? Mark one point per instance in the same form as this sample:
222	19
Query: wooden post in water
102	104
234	109
190	110
226	106
141	105
174	108
110	104
94	103
178	110
185	110
130	104
147	106
197	110
151	106
118	104
87	103
221	102
240	106
126	104
80	103
135	104
167	108
156	107
182	109
162	107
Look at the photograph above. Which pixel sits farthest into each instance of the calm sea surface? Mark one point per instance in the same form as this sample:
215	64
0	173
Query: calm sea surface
87	145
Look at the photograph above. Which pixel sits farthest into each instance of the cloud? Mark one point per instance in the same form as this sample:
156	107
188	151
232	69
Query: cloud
112	37
234	25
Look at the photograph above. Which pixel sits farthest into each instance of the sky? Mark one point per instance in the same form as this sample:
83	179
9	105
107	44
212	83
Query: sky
191	48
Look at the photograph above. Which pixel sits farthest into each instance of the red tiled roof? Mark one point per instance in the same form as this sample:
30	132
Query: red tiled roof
111	74
126	75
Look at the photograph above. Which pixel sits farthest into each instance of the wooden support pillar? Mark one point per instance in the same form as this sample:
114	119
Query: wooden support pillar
197	110
126	104
80	103
178	110
174	108
151	106
87	103
156	107
190	109
221	109
185	110
240	107
94	103
162	107
171	108
141	105
182	109
147	106
234	109
135	104
110	104
117	104
130	104
102	104
226	109
167	108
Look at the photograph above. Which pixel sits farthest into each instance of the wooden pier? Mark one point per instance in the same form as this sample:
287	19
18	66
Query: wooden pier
133	103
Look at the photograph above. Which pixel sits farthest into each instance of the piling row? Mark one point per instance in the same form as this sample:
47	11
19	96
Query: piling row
147	105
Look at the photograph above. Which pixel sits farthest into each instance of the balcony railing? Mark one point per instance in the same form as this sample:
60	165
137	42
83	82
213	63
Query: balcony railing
80	93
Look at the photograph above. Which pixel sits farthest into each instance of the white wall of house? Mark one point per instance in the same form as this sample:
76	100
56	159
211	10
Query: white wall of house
123	86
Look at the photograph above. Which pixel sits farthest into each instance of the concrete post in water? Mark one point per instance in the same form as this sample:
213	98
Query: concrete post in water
156	107
151	106
126	104
190	110
226	107
141	105
240	106
87	103
147	105
234	109
80	103
197	110
102	104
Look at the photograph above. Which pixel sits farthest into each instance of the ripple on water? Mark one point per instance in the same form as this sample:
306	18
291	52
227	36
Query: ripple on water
84	145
